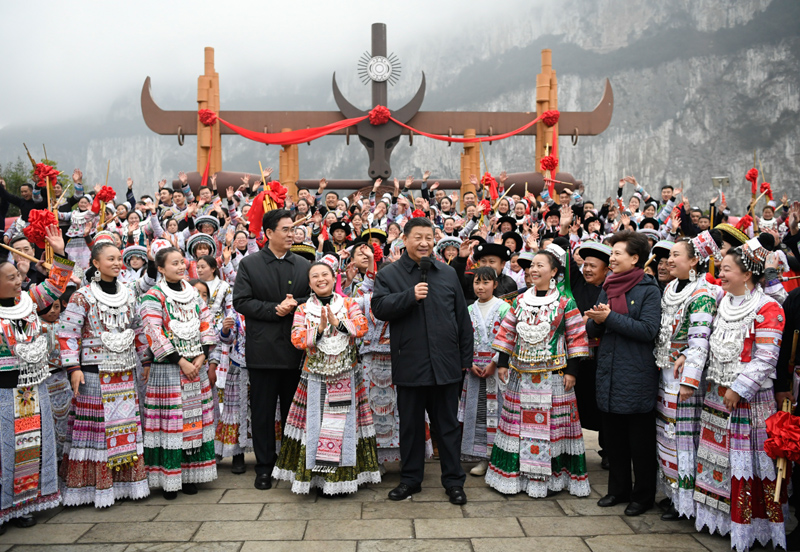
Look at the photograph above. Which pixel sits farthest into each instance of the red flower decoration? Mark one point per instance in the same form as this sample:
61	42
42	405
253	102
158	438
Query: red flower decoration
783	430
766	188
379	115
106	194
550	117
418	213
377	252
38	221
711	280
207	117
42	172
549	163
485	207
489	181
277	193
744	223
752	176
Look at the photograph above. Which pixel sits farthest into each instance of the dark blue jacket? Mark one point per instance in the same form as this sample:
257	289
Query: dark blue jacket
431	340
627	376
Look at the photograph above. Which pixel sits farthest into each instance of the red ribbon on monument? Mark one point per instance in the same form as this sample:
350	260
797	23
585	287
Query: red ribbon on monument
377	116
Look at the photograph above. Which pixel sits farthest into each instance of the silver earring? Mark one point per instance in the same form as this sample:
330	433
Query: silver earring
552	283
96	275
692	275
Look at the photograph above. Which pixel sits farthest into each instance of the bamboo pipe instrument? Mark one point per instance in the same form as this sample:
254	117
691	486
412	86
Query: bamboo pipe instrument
31	258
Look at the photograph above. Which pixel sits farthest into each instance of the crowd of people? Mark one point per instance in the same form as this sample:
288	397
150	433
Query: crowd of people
480	328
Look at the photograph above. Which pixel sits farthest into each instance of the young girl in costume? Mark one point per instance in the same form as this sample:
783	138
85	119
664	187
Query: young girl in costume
100	336
178	450
481	397
539	444
735	480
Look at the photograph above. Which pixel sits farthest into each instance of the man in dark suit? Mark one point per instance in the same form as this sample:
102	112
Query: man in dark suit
431	344
269	286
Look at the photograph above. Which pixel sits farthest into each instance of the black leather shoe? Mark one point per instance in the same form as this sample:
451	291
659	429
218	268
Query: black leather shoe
169	495
189	489
457	495
637	509
263	482
238	466
3	527
611	500
403	491
604	463
671	514
23	522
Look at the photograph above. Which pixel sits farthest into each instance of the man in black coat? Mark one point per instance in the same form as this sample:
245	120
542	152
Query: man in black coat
586	287
269	286
431	345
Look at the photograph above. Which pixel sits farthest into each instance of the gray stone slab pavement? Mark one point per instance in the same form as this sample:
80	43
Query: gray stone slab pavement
229	515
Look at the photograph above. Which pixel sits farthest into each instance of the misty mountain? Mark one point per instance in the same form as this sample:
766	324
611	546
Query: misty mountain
698	86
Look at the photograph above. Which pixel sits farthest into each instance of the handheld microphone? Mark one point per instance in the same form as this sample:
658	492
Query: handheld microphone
425	264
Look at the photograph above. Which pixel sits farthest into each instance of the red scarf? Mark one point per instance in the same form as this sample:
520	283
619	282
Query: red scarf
617	285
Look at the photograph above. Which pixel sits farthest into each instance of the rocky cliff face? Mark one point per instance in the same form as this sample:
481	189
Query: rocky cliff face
698	87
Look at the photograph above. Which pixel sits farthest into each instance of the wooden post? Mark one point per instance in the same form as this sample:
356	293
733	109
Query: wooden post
208	98
289	167
544	94
470	163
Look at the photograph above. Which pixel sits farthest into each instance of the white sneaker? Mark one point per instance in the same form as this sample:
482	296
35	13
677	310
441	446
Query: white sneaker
480	468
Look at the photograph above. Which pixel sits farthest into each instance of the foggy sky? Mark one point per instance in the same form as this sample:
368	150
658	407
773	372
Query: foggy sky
67	60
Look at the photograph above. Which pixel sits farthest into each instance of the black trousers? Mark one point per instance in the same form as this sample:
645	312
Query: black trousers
266	386
631	439
441	403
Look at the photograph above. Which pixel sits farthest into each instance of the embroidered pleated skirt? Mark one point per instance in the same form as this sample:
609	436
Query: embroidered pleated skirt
677	435
234	430
329	439
479	411
60	391
28	464
539	443
103	455
735	480
178	428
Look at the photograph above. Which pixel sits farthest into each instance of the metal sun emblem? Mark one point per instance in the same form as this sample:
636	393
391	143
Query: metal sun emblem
379	68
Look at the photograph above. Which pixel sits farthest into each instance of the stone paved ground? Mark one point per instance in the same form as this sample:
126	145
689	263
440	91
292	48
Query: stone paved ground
230	515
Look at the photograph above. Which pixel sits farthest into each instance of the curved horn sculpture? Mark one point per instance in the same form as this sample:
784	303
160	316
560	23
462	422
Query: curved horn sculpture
405	113
348	110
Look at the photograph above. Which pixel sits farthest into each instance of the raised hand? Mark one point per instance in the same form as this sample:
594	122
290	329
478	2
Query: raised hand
266	172
426	175
229	193
503	177
323	320
129	182
434	186
323	183
77	176
183	177
473	180
246	179
229	235
162	183
213	179
409	180
622	182
332	320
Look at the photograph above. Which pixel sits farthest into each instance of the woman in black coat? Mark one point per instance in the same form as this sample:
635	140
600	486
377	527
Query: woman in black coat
627	318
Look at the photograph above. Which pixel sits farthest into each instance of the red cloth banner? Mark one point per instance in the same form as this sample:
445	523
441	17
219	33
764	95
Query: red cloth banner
378	115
